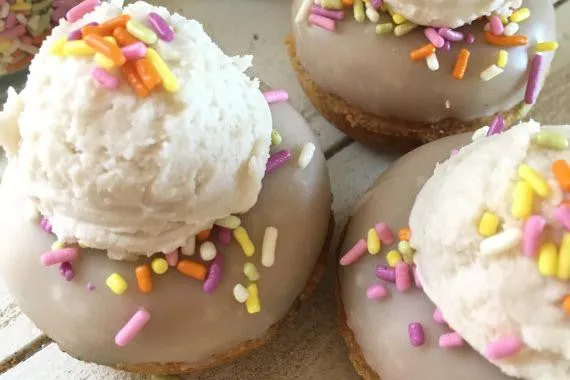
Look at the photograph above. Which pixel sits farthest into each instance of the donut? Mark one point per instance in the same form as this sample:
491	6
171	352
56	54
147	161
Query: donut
389	92
397	319
234	208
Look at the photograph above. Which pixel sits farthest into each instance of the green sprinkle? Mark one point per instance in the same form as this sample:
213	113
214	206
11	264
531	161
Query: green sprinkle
359	14
332	4
550	140
404	28
384	28
275	137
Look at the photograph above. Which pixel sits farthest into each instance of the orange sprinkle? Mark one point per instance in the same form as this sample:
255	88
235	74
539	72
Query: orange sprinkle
203	235
404	234
565	202
422	53
348	3
566	304
108	49
117	22
144	278
192	269
516	40
123	37
133	79
91	29
147	73
461	64
561	171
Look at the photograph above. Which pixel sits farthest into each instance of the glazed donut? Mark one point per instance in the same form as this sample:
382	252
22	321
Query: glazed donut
158	311
397	91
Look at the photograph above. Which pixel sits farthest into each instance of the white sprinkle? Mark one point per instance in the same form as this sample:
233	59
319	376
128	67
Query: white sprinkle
240	293
306	155
31	49
4	10
491	72
372	13
511	28
251	272
207	251
189	248
432	62
21	19
480	133
34	22
304	11
268	246
231	222
447	104
501	242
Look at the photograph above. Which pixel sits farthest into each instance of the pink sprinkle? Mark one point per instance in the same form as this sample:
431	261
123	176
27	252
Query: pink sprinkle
104	78
46	225
532	230
214	275
384	233
354	253
81	9
438	316
224	235
433	36
562	214
497	27
161	27
416	334
14	33
323	22
59	256
386	273
450	340
276	160
497	125
376	292
447	46
403	281
470	38
10	21
504	347
451	35
536	67
417	281
453	152
90	286
276	96
76	34
134	51
132	328
66	270
172	258
330	13
376	3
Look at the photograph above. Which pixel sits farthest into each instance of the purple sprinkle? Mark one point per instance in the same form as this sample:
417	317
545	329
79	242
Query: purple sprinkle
45	225
333	14
451	35
532	87
416	334
90	286
276	160
470	38
66	270
76	34
376	3
497	125
224	235
161	27
446	46
214	274
386	273
454	152
438	316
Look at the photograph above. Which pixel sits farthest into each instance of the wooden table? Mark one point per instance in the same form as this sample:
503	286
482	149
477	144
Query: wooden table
312	347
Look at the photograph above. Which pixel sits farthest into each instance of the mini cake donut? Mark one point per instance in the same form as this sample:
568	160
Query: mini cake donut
229	195
477	326
393	84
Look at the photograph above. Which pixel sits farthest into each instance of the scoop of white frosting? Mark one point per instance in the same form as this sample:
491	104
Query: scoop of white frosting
450	13
136	175
492	297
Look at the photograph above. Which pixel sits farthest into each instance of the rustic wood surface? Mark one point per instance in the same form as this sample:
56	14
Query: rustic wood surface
312	347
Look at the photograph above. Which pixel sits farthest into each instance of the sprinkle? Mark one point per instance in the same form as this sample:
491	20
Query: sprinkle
563	270
535	180
90	286
422	53
375	3
358	9
434	37
386	273
4	10
550	140
207	251
277	160
160	26
252	303
276	138
403	281
116	283
304	11
490	73
503	58
58	244
77	49
547	259
240	293
172	258
461	64
438	316
354	253
373	242
113	23
104	62
451	35
169	81
500	242
203	235
416	334
130	330
504	347
230	222
57	47
404	234
371	13
404	29
159	265
251	272
447	46
139	31
496	126
432	62
520	15
242	237
192	269
214	275
532	88
450	340
123	37
405	248
470	38
276	96
20	7
514	40
480	133
532	230
511	29
21	19
566	304
144	278
66	270
130	73
385	28
376	292
59	256
322	22
496	24
384	232
81	10
329	13
268	246
134	51
104	78
393	258
545	46
224	235
561	171
488	224
522	200
306	155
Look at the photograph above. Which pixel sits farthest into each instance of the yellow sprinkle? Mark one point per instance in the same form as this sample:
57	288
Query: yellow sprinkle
116	283
503	58
535	180
384	28
373	242
58	244
504	20
547	259
545	46
398	19
405	248
275	137
563	272
230	222
57	47
77	48
358	8
111	39
550	140
141	32
393	258
240	234
332	4
252	302
488	224
159	265
520	15
19	7
169	81
251	272
522	200
5	46
404	28
102	61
